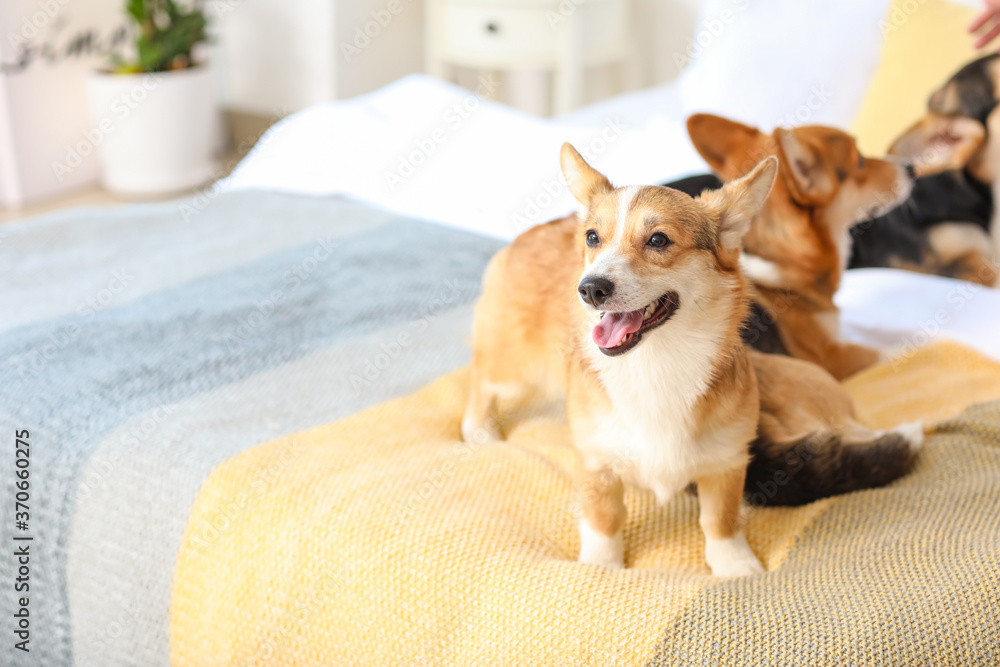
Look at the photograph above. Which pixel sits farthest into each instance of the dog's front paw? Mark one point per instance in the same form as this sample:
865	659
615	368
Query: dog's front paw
599	549
731	557
743	567
480	433
591	559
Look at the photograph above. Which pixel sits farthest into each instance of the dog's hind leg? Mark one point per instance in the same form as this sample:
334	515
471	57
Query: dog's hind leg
494	378
479	424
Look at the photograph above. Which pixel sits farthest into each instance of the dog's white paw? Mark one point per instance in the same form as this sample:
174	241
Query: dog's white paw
731	557
913	432
480	433
599	549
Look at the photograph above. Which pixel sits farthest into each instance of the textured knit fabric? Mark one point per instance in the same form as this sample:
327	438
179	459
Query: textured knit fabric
383	539
142	346
146	346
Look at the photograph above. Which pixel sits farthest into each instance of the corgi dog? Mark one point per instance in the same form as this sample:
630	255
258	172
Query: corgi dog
798	248
632	310
948	225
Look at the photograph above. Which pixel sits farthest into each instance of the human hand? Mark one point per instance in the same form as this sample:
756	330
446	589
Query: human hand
990	16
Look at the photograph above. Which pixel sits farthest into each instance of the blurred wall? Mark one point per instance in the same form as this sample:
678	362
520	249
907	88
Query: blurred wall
664	31
273	54
288	54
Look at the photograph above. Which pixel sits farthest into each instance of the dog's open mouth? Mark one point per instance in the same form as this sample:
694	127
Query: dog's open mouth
617	333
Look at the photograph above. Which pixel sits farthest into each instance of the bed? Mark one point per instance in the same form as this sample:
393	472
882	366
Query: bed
243	411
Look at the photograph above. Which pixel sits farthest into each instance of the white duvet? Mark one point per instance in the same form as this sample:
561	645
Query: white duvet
427	149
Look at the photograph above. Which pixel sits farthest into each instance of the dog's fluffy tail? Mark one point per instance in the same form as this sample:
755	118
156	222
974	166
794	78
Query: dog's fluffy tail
821	465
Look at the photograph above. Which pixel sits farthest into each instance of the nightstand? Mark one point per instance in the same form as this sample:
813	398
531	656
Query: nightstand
565	36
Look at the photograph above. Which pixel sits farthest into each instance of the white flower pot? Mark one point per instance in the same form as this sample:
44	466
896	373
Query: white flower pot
154	133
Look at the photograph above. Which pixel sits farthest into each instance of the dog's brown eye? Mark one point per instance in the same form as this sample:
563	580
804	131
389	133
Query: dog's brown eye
659	241
592	238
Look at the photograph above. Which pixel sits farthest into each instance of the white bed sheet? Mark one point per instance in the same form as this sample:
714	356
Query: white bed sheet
428	149
899	310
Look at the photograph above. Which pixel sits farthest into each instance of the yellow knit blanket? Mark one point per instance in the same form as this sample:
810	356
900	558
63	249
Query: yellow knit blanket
382	539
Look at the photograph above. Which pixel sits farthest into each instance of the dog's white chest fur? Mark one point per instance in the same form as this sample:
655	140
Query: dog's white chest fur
652	436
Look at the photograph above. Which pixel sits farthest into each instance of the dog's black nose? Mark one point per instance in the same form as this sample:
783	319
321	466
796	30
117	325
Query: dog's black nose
910	171
596	290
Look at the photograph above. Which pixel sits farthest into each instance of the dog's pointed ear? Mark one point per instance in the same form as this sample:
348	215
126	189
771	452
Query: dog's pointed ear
725	144
937	143
738	202
810	179
586	184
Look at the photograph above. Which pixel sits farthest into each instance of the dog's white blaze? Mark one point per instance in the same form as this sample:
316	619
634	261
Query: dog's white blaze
609	260
610	263
625	198
610	246
599	549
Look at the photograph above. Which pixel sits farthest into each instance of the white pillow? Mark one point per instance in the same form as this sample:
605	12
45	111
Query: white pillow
776	63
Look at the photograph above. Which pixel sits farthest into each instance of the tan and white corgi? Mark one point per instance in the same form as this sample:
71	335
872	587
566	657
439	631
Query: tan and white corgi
797	250
633	308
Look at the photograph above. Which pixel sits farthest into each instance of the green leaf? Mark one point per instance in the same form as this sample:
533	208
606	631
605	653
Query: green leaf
136	9
172	10
165	32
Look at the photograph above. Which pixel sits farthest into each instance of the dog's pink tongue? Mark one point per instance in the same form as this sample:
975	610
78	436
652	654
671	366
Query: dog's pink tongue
613	327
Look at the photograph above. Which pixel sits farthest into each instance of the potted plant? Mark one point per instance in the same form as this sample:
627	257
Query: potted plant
154	111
